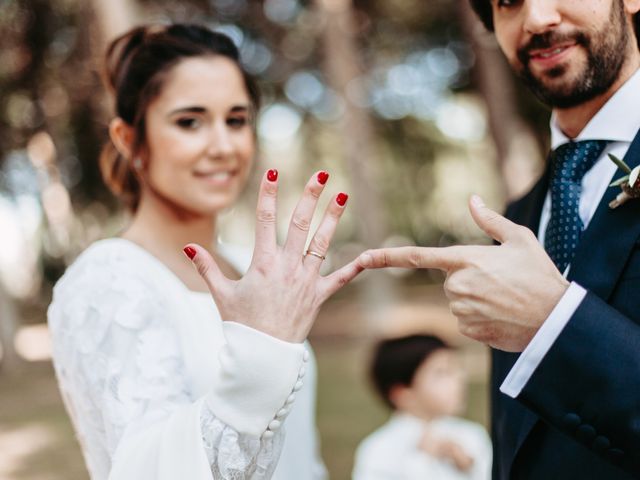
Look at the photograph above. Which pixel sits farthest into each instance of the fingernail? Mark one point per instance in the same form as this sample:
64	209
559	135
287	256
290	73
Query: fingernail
189	252
477	201
272	175
341	199
323	177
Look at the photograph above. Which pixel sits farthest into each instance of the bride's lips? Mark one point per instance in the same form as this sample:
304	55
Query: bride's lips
552	56
218	178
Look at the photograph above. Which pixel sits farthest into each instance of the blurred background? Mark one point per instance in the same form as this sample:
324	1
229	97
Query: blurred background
409	105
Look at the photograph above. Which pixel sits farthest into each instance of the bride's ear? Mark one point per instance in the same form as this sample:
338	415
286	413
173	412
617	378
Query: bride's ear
122	136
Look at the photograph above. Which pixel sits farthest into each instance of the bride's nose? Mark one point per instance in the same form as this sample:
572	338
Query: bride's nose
220	142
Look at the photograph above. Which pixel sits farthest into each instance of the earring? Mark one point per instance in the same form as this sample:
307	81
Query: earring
137	163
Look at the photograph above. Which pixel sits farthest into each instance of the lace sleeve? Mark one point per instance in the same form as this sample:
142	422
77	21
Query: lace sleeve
122	374
235	456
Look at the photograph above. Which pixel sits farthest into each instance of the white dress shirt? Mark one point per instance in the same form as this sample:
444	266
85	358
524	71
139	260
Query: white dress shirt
617	121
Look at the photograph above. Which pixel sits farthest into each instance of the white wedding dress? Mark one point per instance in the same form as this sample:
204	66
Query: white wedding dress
159	387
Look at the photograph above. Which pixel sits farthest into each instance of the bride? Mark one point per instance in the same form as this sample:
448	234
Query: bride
175	372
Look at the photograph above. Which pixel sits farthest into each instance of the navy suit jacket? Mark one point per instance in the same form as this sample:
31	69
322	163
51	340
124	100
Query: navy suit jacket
578	417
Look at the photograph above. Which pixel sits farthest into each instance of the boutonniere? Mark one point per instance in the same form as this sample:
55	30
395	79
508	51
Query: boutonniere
630	183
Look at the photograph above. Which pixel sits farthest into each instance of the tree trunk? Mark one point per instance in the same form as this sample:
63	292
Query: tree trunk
114	17
519	158
342	65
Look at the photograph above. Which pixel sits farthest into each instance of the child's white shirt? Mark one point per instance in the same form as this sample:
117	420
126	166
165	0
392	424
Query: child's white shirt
392	451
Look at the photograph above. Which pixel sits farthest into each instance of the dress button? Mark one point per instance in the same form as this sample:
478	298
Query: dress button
302	372
274	425
586	432
571	421
305	356
290	399
297	386
268	434
283	412
600	444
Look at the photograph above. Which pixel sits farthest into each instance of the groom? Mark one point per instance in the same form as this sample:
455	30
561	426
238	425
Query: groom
558	297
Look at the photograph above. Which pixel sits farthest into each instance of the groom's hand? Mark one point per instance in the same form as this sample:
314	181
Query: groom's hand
502	294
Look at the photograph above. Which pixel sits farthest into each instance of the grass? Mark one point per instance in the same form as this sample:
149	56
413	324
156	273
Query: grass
36	438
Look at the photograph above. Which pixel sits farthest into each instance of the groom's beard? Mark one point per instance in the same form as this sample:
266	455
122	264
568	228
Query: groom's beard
606	50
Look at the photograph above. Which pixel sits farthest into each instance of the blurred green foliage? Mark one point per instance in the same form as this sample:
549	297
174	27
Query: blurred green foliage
414	59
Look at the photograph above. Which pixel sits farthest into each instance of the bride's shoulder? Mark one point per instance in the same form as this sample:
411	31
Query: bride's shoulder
109	264
111	295
112	280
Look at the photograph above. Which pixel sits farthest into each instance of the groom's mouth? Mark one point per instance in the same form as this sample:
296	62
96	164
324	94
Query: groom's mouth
547	58
548	50
551	53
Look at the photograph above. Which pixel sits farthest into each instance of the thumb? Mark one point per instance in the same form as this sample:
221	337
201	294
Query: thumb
491	223
206	266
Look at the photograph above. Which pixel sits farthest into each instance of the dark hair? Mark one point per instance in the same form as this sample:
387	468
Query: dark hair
485	12
395	361
135	68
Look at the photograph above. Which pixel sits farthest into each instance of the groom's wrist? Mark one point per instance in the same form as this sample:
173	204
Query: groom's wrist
543	340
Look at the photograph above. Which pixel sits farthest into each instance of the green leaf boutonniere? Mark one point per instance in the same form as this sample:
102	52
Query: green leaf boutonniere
630	183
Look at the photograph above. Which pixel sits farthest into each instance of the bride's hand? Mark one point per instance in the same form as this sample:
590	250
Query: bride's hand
282	291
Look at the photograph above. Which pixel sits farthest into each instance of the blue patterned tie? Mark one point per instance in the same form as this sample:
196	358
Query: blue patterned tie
570	162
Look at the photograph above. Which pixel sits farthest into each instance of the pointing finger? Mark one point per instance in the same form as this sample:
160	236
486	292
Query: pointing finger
445	259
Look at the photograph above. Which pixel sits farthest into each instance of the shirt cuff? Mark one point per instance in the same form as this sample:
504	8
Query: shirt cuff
542	342
256	376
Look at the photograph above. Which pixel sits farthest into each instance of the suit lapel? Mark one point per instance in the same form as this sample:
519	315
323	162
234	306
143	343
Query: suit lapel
607	242
527	211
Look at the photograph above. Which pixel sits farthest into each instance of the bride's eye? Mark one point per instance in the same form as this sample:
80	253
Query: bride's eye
189	123
237	122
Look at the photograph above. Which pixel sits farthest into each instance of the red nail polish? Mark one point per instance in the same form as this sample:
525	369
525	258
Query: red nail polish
190	252
272	175
341	199
323	177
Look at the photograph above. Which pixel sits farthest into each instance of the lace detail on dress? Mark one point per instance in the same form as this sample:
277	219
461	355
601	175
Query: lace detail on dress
121	369
246	458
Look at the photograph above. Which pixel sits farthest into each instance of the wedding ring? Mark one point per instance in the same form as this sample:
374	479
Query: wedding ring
315	254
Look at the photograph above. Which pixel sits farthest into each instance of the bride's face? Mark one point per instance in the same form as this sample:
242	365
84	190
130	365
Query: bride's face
200	141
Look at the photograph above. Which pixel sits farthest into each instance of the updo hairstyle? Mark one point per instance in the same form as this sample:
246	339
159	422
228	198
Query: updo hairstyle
135	68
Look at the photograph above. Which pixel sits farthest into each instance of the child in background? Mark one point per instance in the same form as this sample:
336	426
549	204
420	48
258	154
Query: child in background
421	379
